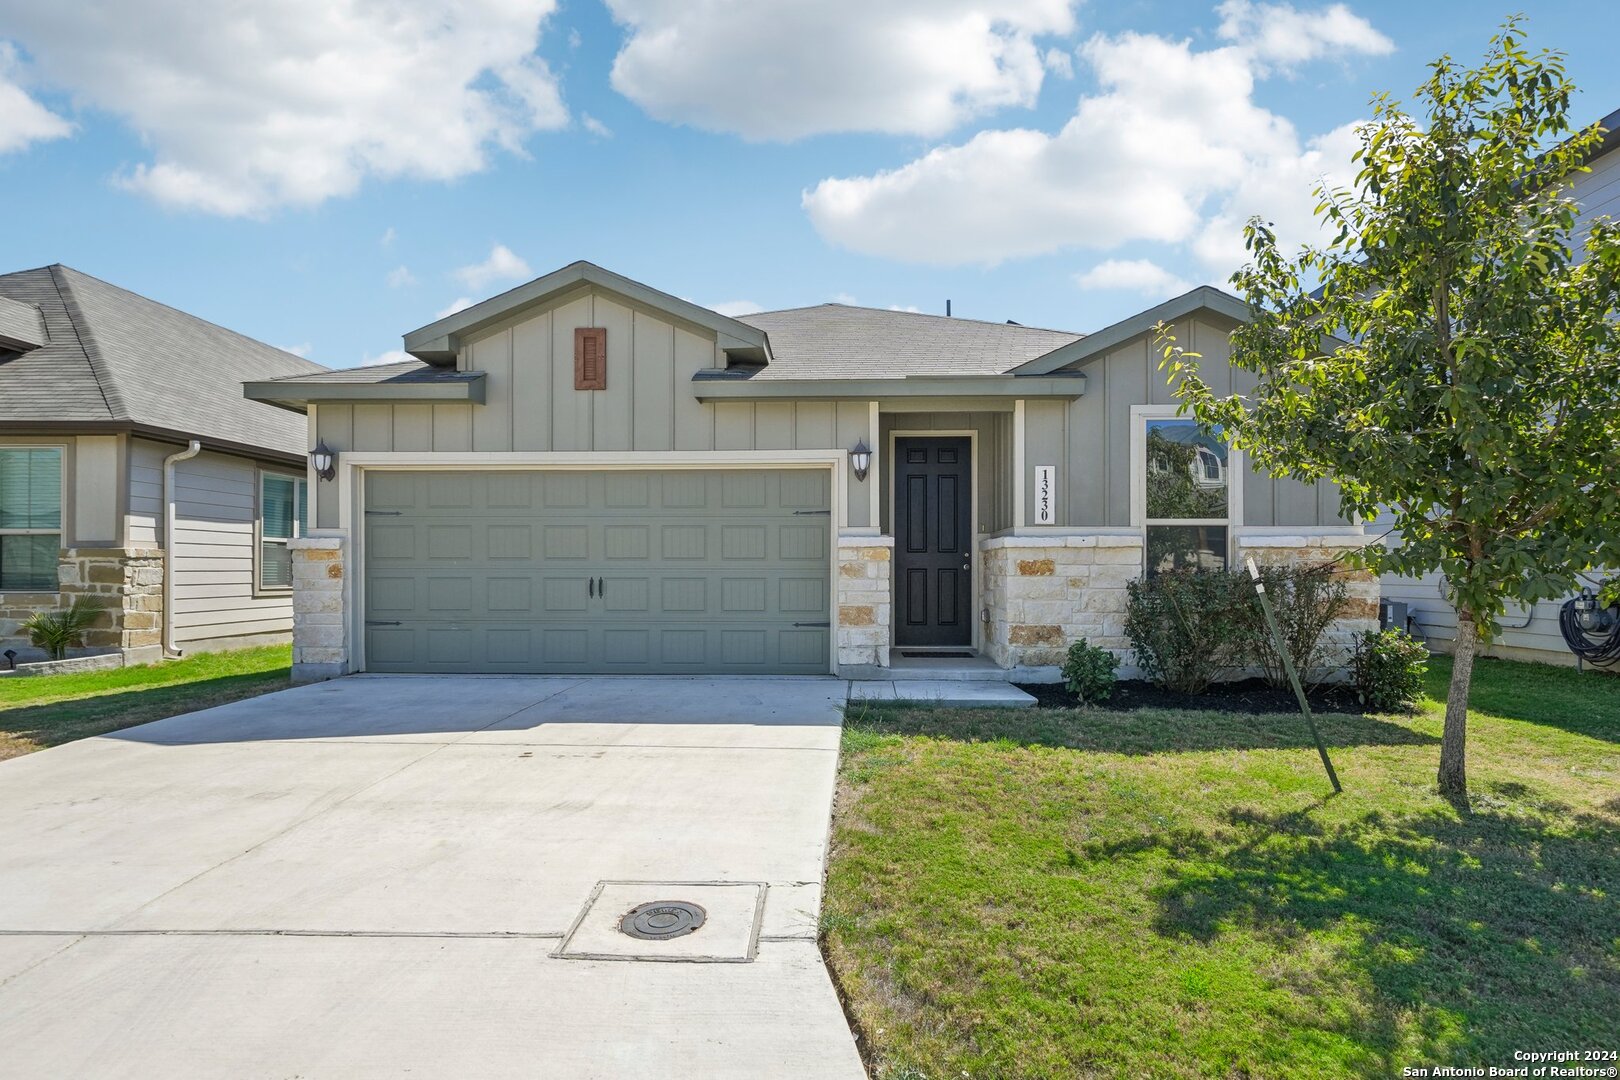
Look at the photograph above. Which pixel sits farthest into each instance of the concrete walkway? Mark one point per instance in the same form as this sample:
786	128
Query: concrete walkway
376	876
959	693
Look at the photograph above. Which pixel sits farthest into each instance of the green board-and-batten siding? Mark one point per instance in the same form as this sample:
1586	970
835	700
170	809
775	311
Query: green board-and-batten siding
531	404
1089	438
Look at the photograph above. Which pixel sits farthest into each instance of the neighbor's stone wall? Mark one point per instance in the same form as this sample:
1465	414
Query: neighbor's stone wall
1043	592
126	583
865	600
16	608
1362	587
320	630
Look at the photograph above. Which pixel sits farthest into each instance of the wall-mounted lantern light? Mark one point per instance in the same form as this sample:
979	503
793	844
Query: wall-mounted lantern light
324	458
861	459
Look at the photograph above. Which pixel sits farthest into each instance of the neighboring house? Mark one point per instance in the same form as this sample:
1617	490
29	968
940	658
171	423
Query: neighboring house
99	388
585	474
1528	632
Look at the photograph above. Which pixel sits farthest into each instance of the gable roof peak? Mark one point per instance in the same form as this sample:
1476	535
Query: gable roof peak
1201	298
438	341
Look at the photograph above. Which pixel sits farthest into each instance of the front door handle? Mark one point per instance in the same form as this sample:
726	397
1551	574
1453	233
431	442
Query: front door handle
601	587
590	586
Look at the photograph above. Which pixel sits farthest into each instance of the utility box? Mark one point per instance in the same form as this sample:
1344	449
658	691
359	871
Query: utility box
1391	615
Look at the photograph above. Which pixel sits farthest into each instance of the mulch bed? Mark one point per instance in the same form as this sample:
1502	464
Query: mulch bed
1248	696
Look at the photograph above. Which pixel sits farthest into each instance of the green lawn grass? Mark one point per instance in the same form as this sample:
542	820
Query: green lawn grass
1162	893
46	710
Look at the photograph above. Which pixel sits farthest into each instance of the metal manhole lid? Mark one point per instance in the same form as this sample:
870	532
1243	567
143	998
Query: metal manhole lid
660	920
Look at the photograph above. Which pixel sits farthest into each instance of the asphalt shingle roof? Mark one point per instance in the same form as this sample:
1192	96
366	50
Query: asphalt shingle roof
114	356
828	341
837	341
403	371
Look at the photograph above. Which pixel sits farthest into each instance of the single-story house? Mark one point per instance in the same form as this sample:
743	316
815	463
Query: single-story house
133	472
586	474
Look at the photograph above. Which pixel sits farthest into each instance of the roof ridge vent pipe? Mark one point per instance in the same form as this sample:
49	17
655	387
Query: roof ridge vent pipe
192	450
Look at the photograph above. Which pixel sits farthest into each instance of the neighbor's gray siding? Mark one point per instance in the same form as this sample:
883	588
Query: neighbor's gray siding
531	404
216	510
992	442
1598	192
1527	634
1089	439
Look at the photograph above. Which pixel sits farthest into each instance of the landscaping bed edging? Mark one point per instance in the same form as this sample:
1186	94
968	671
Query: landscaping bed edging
72	665
1239	697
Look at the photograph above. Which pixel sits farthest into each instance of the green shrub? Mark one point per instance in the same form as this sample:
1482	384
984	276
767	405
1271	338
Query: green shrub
1088	671
1185	626
58	631
1306	600
1387	668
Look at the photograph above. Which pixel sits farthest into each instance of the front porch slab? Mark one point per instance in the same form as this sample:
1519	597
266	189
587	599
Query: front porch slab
959	693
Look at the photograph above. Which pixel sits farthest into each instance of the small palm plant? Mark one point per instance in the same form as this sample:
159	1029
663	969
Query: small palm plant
58	631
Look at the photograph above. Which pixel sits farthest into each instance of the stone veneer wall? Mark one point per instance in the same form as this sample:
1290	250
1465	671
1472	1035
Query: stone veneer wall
320	632
1362	588
1043	592
16	607
865	600
127	583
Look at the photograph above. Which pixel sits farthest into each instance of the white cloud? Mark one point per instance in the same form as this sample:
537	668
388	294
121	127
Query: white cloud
595	126
844	298
1173	149
400	276
502	265
734	308
1281	192
390	356
1280	35
388	237
1133	275
297	350
793	68
248	107
1059	62
460	303
22	119
908	309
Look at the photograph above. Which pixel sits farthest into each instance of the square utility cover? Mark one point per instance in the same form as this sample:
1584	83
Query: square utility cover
698	922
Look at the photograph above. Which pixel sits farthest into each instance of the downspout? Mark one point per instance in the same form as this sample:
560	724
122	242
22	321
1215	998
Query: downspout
191	451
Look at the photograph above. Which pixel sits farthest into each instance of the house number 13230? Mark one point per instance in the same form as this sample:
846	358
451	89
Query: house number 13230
1046	494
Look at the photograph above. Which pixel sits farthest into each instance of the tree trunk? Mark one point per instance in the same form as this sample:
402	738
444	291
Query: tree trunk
1453	778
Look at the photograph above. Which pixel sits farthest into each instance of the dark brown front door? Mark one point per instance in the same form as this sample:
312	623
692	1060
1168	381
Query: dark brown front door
933	541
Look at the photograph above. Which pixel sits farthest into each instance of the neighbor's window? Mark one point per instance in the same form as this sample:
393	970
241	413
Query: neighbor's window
283	512
1187	497
30	517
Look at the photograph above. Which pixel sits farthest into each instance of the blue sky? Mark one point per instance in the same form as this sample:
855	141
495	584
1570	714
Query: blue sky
326	181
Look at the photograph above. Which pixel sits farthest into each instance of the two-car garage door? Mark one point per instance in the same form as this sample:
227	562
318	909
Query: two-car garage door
634	572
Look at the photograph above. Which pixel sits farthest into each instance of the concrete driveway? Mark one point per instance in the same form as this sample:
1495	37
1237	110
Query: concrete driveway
389	875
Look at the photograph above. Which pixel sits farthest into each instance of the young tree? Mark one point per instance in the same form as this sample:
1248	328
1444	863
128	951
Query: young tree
1470	393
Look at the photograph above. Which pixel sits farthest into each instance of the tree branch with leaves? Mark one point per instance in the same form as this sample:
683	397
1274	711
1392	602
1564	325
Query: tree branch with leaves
1451	358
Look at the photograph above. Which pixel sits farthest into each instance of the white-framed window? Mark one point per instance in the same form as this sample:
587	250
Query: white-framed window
283	515
30	517
1182	495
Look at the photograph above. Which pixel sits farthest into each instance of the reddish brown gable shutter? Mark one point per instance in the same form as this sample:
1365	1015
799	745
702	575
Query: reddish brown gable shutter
590	358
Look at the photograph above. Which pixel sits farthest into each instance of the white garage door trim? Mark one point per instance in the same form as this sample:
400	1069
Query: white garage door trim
352	468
